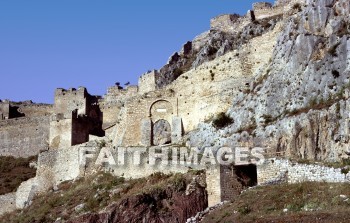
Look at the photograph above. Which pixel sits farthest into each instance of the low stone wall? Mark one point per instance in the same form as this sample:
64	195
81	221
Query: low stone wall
8	203
277	171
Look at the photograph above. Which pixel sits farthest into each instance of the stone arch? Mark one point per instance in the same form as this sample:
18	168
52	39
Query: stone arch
161	132
161	109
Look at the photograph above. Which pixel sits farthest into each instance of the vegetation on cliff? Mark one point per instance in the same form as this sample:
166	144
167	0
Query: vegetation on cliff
103	196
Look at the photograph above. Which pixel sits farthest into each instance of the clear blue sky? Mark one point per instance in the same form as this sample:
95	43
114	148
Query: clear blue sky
94	43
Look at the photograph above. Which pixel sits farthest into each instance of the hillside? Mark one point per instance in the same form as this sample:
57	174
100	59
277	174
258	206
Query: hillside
260	100
103	197
304	202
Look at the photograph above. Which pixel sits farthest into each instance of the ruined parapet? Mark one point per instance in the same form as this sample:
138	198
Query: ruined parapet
68	100
262	6
263	10
117	93
10	110
76	115
30	109
4	109
224	23
61	125
147	82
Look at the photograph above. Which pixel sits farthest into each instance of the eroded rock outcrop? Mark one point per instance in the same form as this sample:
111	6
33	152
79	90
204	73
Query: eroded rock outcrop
298	105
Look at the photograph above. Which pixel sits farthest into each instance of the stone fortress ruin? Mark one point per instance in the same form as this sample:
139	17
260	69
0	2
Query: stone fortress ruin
198	82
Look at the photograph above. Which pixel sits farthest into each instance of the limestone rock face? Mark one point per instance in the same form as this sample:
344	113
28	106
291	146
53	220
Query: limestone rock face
161	133
210	45
298	106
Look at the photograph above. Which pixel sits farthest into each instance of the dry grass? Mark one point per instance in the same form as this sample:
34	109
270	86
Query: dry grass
266	204
96	192
13	171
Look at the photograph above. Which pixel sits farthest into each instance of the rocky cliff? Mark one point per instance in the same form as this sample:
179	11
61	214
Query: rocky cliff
298	105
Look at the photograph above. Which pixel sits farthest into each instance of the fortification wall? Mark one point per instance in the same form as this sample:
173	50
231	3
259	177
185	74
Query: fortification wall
224	23
68	130
80	130
116	94
207	90
276	171
4	110
113	102
213	180
138	110
68	100
264	10
147	82
35	110
60	131
261	6
24	137
110	115
30	109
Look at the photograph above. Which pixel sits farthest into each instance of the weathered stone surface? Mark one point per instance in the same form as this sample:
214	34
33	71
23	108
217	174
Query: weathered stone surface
284	171
8	203
146	132
177	130
161	133
298	105
24	137
25	193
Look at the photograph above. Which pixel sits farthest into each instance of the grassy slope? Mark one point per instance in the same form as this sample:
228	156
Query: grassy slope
13	171
266	204
96	192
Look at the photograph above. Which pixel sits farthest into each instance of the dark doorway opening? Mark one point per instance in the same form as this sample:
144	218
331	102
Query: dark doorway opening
247	175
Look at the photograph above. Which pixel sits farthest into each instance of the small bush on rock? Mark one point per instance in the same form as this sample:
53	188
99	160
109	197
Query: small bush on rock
222	120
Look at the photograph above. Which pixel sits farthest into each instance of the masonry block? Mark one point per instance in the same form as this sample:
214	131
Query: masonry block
176	133
146	132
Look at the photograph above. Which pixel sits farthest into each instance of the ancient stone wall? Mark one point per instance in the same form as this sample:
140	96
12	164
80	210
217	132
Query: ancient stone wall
143	108
277	171
207	90
67	101
23	137
227	183
4	110
30	109
116	93
60	131
261	6
224	23
68	130
112	103
147	82
213	180
76	115
265	11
